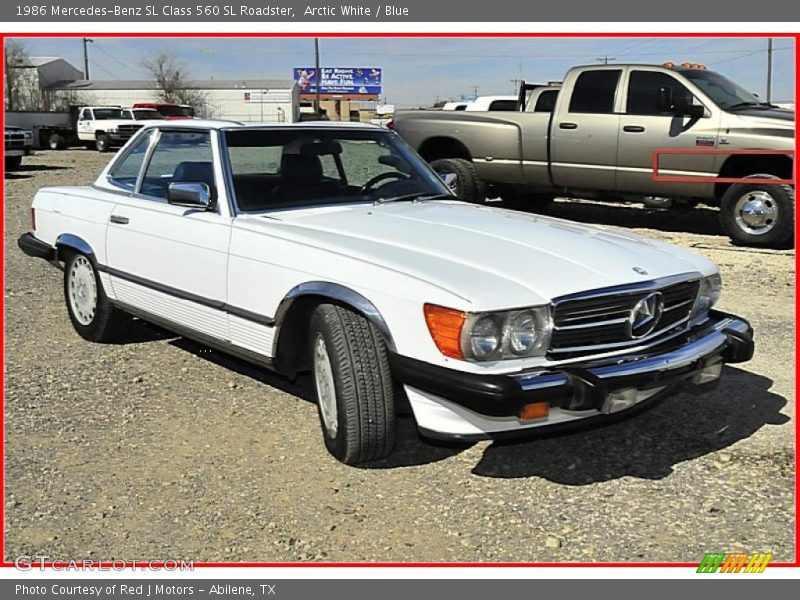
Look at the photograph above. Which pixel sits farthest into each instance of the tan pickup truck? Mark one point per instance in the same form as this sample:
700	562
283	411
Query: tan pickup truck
599	139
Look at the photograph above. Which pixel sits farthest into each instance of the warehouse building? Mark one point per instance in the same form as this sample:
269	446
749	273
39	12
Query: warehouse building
250	100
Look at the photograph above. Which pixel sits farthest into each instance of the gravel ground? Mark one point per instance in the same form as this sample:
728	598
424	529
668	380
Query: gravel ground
159	449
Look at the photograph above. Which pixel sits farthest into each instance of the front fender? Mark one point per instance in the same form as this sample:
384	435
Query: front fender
340	294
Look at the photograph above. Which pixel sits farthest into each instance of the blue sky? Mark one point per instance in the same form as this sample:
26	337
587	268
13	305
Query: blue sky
420	70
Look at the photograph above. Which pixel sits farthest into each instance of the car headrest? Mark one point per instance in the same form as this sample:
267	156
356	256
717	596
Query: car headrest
301	168
194	171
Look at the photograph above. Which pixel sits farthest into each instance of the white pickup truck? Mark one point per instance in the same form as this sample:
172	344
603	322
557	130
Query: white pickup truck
335	249
105	127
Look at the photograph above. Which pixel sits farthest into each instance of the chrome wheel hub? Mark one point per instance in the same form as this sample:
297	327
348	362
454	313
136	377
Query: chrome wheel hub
326	390
82	290
756	212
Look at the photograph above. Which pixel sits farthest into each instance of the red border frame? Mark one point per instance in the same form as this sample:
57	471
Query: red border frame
657	152
107	565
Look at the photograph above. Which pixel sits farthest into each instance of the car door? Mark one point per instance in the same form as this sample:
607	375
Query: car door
171	261
584	131
648	124
84	125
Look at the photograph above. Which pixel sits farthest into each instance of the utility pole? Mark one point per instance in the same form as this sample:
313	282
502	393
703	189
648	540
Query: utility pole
317	76
86	42
475	89
769	70
605	59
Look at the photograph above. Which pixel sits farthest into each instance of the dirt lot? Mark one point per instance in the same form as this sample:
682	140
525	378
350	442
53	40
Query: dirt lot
158	449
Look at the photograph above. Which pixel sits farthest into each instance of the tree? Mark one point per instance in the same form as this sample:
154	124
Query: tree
172	79
21	85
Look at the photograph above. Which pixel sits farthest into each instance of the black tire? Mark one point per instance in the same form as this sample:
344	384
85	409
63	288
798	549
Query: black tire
90	145
107	323
778	231
12	163
468	186
365	420
103	142
56	142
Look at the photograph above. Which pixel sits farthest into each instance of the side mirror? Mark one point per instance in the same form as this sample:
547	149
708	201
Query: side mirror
693	111
191	194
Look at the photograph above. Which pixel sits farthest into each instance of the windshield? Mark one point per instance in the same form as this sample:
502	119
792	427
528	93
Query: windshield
143	114
102	114
300	167
172	110
724	92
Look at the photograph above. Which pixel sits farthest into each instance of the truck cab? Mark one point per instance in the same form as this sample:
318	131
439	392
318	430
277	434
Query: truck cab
105	127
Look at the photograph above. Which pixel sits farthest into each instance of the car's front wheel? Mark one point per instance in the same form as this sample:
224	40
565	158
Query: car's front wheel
93	316
103	142
353	385
13	163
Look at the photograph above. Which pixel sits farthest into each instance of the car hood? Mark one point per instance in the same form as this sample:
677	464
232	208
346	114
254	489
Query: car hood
489	257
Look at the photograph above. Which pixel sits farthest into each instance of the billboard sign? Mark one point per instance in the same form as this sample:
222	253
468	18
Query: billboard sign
340	80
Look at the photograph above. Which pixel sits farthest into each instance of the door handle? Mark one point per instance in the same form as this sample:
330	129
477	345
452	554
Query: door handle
633	128
119	220
568	125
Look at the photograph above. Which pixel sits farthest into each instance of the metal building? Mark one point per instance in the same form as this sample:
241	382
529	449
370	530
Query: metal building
248	100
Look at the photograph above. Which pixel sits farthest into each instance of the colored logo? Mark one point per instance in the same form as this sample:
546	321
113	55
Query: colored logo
736	562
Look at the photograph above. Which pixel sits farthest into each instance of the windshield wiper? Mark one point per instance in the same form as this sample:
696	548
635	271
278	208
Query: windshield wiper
748	105
415	197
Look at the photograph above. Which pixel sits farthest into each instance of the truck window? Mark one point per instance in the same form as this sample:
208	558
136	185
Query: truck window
546	102
508	105
594	91
643	92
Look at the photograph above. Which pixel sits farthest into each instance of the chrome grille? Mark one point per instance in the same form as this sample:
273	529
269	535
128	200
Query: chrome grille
598	323
129	130
15	140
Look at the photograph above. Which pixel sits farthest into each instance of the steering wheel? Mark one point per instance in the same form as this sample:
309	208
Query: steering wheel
383	176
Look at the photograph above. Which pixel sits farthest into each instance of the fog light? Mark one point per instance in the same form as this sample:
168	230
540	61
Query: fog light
620	400
537	410
708	374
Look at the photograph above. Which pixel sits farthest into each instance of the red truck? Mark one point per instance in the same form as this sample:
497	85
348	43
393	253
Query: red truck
169	111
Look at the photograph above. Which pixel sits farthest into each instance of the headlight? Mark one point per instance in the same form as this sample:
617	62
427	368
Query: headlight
489	336
707	296
112	130
28	135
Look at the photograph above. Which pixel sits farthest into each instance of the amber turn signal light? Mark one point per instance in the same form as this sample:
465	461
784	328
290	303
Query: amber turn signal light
537	410
445	325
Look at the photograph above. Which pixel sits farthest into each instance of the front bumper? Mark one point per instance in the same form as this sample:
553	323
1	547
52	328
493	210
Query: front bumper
494	403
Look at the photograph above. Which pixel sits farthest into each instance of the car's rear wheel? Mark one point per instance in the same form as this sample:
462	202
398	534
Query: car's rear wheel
56	142
353	385
103	142
758	214
464	181
93	316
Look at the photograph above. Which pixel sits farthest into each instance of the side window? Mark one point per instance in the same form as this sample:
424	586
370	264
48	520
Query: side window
126	173
644	91
86	115
594	91
506	105
546	102
179	156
